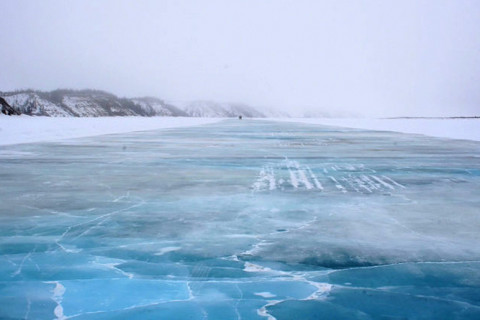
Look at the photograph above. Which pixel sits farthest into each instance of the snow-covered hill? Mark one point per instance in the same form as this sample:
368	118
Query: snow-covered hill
210	109
32	103
95	103
156	107
6	109
72	103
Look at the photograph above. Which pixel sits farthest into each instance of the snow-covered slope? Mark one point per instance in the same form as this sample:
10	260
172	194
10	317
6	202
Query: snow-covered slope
70	103
211	109
32	103
156	107
95	103
6	109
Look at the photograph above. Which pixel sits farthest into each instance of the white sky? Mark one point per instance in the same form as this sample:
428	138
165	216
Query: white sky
377	58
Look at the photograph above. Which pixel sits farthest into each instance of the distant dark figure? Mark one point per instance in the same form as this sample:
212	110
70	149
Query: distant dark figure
239	117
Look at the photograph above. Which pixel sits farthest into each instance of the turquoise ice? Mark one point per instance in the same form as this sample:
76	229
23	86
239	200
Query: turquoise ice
241	220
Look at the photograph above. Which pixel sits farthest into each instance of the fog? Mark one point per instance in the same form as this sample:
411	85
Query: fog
366	58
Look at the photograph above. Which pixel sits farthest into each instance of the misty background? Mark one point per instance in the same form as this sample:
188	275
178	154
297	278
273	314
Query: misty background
366	58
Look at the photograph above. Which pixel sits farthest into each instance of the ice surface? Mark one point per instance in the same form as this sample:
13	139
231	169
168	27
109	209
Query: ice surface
241	220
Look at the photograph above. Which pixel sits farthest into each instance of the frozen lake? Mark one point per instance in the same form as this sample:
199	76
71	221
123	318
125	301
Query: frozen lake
241	220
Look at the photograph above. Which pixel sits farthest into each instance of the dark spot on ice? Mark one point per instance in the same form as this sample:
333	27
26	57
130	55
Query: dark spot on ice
281	230
338	261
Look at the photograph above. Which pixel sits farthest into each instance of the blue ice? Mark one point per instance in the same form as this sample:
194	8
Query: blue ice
241	220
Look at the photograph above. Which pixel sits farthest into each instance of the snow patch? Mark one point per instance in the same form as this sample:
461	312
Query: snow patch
57	296
468	129
167	250
26	129
265	294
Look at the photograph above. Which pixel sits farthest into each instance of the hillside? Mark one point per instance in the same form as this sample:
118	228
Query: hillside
95	103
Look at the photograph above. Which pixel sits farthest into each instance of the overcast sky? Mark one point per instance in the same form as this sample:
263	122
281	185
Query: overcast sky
374	58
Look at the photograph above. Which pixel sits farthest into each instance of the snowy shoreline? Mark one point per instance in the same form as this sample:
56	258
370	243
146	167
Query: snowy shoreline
465	129
26	129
